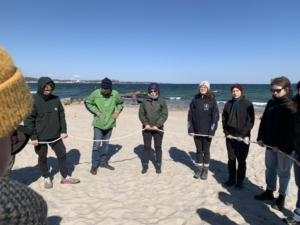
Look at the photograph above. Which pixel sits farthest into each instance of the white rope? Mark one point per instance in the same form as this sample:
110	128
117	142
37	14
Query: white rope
202	135
83	139
246	140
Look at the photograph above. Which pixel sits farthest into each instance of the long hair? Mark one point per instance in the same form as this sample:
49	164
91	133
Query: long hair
209	95
295	103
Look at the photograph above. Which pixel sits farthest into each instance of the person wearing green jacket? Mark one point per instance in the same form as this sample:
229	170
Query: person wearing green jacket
153	113
48	123
105	104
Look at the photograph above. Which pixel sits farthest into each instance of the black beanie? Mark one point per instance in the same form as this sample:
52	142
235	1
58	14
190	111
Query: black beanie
154	86
298	85
106	83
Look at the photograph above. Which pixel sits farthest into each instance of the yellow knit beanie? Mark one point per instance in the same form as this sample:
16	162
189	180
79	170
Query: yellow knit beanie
15	98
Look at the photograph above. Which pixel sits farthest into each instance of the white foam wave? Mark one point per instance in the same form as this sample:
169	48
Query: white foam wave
33	92
175	98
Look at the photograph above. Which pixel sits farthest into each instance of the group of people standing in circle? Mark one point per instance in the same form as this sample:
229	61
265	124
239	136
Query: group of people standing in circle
279	131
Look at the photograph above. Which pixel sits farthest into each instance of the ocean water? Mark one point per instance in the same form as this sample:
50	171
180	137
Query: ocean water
179	95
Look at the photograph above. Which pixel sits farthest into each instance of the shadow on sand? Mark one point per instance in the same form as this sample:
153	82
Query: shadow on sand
30	174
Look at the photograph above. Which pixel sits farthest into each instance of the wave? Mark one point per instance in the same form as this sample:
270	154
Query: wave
175	98
259	103
33	92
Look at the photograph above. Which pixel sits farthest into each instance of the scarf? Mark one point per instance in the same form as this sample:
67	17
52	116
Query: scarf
233	120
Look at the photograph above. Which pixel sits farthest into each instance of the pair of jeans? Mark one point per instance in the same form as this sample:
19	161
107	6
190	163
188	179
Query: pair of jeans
203	150
297	180
60	152
237	151
277	164
147	136
99	153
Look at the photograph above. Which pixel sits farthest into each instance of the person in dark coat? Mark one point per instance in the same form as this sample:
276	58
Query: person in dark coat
237	120
47	120
203	119
153	113
273	131
294	144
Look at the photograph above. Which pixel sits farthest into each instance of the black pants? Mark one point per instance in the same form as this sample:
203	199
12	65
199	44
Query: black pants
203	149
237	150
147	136
60	151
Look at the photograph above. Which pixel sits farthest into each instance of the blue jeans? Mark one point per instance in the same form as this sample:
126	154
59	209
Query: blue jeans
277	164
99	152
297	180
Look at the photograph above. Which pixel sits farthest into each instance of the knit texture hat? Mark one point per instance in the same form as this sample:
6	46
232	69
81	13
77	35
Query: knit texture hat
15	98
20	204
205	83
238	86
154	86
298	85
106	83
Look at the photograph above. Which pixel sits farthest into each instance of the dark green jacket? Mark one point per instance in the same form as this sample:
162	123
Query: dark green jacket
47	118
153	112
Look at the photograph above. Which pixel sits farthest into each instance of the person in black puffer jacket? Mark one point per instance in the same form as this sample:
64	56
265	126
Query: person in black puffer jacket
203	119
237	120
273	131
294	144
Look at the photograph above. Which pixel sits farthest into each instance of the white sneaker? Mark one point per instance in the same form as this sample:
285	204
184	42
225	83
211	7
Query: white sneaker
48	183
69	180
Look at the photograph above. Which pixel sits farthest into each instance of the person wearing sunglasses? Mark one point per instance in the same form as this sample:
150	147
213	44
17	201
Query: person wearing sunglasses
19	204
273	131
47	120
293	144
153	113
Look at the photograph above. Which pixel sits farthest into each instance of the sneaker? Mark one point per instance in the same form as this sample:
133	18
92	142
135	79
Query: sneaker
69	180
93	170
48	183
105	165
290	221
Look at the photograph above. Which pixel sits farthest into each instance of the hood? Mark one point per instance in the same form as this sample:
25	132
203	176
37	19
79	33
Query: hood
41	84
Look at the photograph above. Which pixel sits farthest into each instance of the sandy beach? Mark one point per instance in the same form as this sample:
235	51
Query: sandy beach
125	196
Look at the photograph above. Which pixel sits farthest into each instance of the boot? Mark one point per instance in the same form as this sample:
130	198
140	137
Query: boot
93	170
279	203
230	182
158	167
145	168
266	195
198	172
204	173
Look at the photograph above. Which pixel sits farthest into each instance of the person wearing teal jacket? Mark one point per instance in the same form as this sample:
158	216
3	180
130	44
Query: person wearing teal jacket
105	104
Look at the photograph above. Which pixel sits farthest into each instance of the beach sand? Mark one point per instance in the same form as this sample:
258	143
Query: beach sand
125	196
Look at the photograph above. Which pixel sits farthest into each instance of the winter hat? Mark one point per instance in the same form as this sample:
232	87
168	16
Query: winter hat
154	86
20	204
15	98
205	83
298	85
238	86
106	83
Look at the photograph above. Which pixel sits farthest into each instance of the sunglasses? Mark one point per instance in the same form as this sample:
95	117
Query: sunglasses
152	91
276	90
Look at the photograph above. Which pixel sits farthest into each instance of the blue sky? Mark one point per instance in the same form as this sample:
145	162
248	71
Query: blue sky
223	41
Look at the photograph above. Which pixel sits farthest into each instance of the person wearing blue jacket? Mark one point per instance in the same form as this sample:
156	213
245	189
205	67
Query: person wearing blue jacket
203	120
